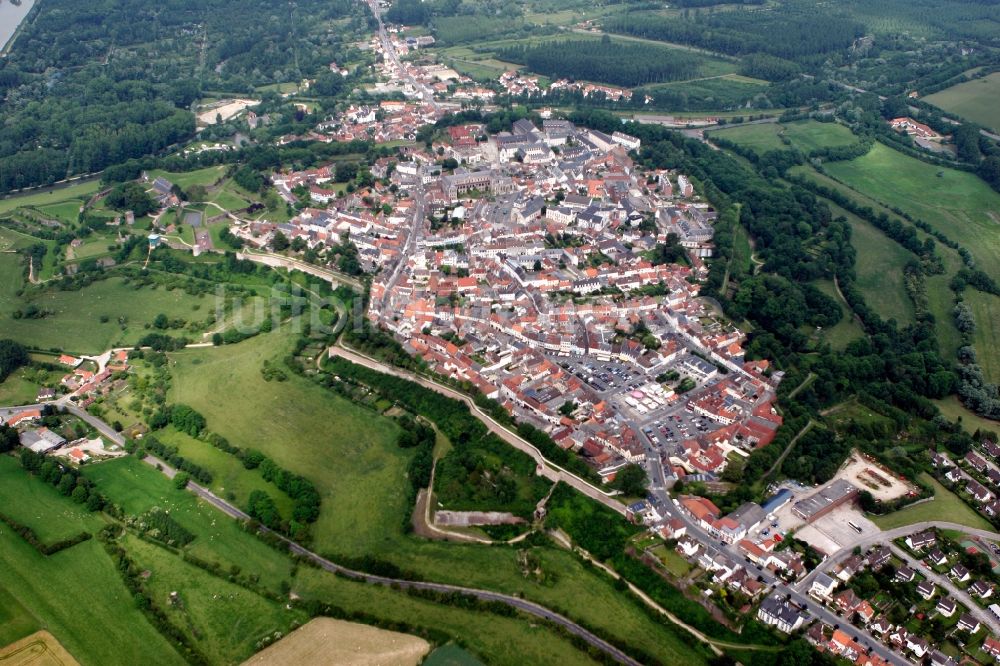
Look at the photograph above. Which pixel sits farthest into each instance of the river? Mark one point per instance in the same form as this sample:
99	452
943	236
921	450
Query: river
10	17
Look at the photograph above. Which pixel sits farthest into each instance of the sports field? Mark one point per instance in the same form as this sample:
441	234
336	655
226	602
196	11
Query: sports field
325	640
977	100
956	203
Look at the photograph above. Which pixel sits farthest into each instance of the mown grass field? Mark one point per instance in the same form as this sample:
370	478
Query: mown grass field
78	596
758	138
226	620
945	505
326	640
74	323
956	203
32	502
205	177
709	94
977	100
953	409
986	308
16	390
137	488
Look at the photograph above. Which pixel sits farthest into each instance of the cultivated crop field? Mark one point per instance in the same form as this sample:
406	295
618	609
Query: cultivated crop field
39	649
956	203
325	640
977	100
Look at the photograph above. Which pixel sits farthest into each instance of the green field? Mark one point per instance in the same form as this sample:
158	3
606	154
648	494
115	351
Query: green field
17	390
350	453
953	409
730	91
344	449
185	179
806	136
137	488
848	328
986	308
946	505
954	202
78	192
37	504
810	135
16	621
758	138
977	100
231	479
78	596
226	620
74	323
879	269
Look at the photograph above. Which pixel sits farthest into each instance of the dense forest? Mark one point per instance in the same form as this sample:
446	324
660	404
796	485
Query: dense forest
806	35
604	60
89	86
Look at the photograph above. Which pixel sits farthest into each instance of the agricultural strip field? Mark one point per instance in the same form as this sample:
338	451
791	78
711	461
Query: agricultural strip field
945	503
351	455
977	100
325	640
986	308
40	506
73	318
78	596
956	203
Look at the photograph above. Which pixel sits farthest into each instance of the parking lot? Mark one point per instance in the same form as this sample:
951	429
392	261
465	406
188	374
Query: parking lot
604	377
837	529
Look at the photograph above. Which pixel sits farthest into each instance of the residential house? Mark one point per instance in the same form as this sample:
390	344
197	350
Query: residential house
776	612
959	573
981	589
921	540
926	589
904	574
947	606
917	645
822	587
937	558
966	622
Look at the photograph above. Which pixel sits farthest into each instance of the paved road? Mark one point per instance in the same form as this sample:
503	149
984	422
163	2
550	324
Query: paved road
546	468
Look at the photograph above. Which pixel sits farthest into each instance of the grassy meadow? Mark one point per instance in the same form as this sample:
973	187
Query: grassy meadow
945	503
977	100
40	506
986	308
954	202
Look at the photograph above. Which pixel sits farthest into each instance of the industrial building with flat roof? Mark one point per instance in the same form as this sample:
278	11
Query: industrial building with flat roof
826	500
